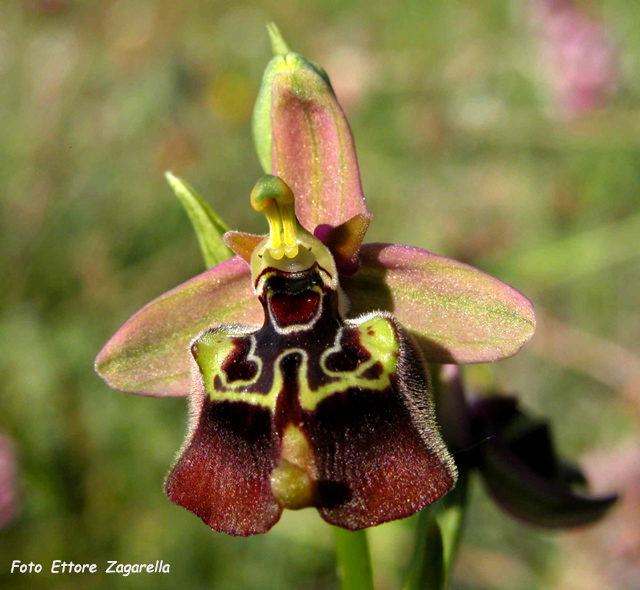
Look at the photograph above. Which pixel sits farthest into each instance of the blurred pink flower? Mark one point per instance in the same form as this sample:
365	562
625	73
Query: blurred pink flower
8	496
579	56
616	542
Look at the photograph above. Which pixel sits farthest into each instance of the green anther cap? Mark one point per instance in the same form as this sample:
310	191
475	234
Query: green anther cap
274	198
288	246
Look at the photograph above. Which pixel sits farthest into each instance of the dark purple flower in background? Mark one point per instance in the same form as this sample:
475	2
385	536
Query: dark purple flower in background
516	458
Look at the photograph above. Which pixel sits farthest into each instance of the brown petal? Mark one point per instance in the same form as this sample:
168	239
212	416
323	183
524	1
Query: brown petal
379	454
223	474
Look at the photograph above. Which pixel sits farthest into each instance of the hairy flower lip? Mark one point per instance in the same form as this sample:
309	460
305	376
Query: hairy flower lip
359	426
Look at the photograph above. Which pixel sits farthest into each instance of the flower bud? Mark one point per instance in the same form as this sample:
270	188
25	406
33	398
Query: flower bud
302	135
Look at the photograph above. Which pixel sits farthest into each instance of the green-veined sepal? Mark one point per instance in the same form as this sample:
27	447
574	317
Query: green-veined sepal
149	354
457	313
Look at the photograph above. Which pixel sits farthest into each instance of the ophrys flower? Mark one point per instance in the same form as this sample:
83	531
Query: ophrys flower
293	404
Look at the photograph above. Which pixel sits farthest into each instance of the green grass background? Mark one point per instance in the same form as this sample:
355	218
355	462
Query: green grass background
461	154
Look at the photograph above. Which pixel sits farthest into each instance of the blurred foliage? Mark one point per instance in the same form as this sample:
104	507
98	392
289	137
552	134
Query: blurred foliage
461	153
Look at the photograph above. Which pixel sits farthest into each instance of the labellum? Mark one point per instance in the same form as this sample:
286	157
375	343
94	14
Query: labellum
311	409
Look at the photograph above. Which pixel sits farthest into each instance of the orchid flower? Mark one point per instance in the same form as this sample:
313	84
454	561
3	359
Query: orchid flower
304	355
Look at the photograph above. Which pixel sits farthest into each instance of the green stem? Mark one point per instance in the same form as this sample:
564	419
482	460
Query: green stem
427	567
450	515
438	533
354	561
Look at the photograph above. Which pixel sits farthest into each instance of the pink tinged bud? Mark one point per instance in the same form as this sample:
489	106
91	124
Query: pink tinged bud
302	135
313	151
